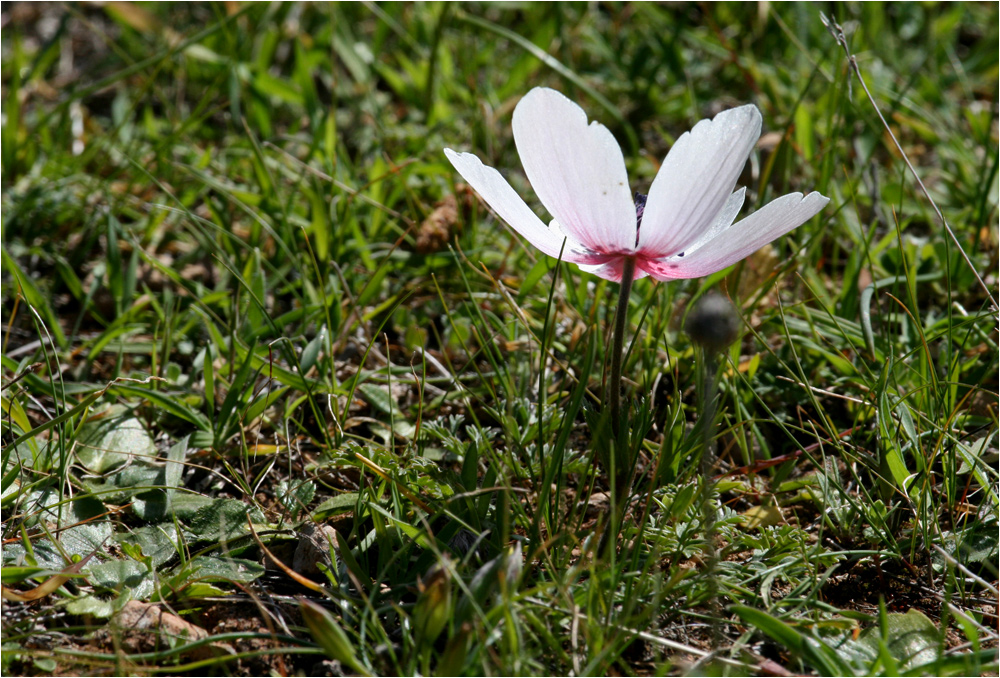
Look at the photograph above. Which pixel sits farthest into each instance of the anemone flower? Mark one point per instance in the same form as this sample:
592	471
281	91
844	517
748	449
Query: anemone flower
682	229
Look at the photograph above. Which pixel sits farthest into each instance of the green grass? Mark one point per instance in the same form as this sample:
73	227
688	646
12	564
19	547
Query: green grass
229	316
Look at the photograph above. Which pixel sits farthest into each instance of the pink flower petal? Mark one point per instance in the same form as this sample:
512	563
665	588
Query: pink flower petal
741	239
577	171
613	270
499	195
696	180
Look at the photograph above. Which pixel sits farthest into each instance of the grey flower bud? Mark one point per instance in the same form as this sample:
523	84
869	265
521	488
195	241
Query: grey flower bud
713	323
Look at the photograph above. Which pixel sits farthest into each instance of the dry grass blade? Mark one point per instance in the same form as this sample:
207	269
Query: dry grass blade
298	578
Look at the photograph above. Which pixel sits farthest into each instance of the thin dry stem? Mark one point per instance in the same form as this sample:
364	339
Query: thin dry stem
838	34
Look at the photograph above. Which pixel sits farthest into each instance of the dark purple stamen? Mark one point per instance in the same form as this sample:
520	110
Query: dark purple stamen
640	207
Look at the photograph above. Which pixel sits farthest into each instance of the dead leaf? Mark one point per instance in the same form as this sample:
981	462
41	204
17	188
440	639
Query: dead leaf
759	267
762	516
50	585
304	581
134	16
436	229
599	504
139	616
769	141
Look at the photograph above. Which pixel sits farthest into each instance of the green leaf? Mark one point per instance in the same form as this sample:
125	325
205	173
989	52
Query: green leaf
188	590
264	400
8	490
900	642
107	442
340	503
228	415
327	632
51	423
176	456
269	86
222	520
312	351
120	575
344	551
13	411
113	262
221	569
122	485
34	297
975	547
892	458
295	496
281	374
184	505
541	267
470	467
483	585
153	506
379	398
434	607
812	651
158	542
12	574
86	538
164	401
45	665
256	292
320	227
208	370
778	630
92	606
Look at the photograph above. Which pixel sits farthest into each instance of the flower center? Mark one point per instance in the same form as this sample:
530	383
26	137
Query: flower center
640	207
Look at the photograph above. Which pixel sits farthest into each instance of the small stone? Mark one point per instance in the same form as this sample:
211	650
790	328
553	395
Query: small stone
314	548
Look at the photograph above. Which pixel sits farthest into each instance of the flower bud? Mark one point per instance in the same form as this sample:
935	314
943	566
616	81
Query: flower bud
713	323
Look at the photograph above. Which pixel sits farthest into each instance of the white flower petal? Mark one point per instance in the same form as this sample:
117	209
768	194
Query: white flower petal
577	171
723	220
499	195
696	179
741	239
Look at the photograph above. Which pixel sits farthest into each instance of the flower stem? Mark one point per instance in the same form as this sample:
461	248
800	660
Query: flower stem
616	445
618	346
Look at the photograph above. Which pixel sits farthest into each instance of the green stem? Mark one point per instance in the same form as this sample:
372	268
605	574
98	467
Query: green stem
709	515
432	63
619	470
614	392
